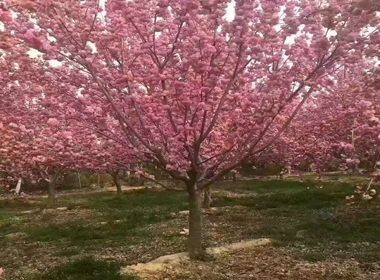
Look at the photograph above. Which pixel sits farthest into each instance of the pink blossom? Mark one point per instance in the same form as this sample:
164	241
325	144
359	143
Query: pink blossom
53	122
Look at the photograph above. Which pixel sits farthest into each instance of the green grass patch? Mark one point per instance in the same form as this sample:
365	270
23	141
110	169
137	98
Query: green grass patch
125	218
263	187
16	204
285	194
84	234
170	201
85	269
296	213
70	252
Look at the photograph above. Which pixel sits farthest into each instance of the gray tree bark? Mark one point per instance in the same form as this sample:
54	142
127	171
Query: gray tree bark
195	225
207	198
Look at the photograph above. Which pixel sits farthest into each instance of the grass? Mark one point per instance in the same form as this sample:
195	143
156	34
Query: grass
304	214
85	269
101	232
127	218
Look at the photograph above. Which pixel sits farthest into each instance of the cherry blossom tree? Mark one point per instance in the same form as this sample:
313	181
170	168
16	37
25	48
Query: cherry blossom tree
40	151
360	130
191	91
339	128
39	139
113	158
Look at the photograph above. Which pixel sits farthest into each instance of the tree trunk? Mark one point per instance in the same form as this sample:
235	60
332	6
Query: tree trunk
79	181
300	175
207	198
234	177
319	176
116	181
51	194
118	187
234	182
195	225
18	186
